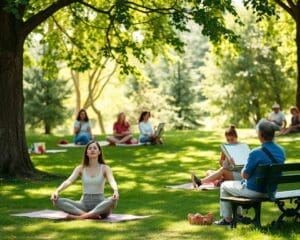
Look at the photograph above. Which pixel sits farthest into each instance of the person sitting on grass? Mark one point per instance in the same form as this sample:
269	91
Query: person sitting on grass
227	170
276	118
82	128
122	133
248	187
93	172
147	134
295	122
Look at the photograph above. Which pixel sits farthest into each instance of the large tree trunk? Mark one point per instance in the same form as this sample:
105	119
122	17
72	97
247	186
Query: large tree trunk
14	160
298	57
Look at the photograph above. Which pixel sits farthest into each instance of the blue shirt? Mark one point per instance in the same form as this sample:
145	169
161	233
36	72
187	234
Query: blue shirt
256	157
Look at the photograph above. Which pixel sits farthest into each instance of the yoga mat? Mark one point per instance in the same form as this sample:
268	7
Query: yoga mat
208	186
56	150
102	144
55	215
128	145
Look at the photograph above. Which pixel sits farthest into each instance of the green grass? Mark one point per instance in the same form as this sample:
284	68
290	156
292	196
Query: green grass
141	173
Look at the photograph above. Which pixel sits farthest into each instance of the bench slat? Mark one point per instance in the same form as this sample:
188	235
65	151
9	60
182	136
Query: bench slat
277	168
291	178
287	194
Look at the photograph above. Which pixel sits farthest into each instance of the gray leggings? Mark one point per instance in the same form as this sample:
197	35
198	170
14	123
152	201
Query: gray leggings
89	203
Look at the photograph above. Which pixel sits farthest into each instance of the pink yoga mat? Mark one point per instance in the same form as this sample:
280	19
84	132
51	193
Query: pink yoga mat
53	214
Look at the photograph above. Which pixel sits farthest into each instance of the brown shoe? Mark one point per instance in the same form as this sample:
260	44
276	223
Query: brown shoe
196	181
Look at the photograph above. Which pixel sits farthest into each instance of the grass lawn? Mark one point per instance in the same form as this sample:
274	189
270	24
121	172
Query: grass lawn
141	173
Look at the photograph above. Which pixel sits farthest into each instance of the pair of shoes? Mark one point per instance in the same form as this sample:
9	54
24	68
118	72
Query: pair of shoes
222	222
244	220
196	181
198	219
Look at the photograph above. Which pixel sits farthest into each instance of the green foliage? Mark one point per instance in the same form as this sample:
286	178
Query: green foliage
177	76
252	75
44	100
143	96
106	28
14	6
261	7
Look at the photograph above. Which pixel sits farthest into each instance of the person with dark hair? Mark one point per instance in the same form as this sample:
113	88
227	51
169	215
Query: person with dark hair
93	172
82	128
226	171
295	122
122	133
268	153
146	130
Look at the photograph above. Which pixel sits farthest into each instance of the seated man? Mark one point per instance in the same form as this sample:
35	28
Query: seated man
248	187
277	117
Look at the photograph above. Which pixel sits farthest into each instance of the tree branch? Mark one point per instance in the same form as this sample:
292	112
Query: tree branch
286	7
139	8
97	9
38	18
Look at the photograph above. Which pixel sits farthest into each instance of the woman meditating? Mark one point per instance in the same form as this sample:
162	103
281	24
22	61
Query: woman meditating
122	133
82	128
93	172
227	170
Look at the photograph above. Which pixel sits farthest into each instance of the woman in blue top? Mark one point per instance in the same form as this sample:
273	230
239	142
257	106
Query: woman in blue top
82	128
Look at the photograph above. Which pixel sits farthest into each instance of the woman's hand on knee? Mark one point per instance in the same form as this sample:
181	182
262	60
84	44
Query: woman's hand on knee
115	195
54	197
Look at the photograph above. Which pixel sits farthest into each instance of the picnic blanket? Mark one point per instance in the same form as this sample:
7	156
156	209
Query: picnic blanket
56	215
102	144
206	186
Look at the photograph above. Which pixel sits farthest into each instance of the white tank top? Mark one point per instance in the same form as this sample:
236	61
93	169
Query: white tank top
93	185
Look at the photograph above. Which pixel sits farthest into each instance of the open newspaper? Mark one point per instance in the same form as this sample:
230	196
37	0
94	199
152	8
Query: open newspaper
239	152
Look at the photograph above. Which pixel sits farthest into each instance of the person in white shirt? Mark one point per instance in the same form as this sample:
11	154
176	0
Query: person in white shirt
146	130
277	117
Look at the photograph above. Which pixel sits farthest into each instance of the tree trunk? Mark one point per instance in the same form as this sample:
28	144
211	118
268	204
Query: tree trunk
100	118
47	128
75	78
256	105
15	160
298	58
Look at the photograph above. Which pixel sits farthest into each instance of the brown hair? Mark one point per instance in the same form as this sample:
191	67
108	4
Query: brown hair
143	114
124	123
86	119
231	131
86	160
294	108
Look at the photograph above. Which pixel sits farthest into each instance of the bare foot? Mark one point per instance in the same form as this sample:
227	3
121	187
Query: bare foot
72	217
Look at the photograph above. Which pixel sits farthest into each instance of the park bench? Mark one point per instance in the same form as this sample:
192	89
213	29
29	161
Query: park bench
279	174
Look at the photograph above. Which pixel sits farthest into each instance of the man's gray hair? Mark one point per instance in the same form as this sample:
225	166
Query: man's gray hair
266	130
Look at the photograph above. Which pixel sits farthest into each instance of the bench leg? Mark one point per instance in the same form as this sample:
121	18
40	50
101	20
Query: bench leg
256	219
234	207
289	212
257	209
